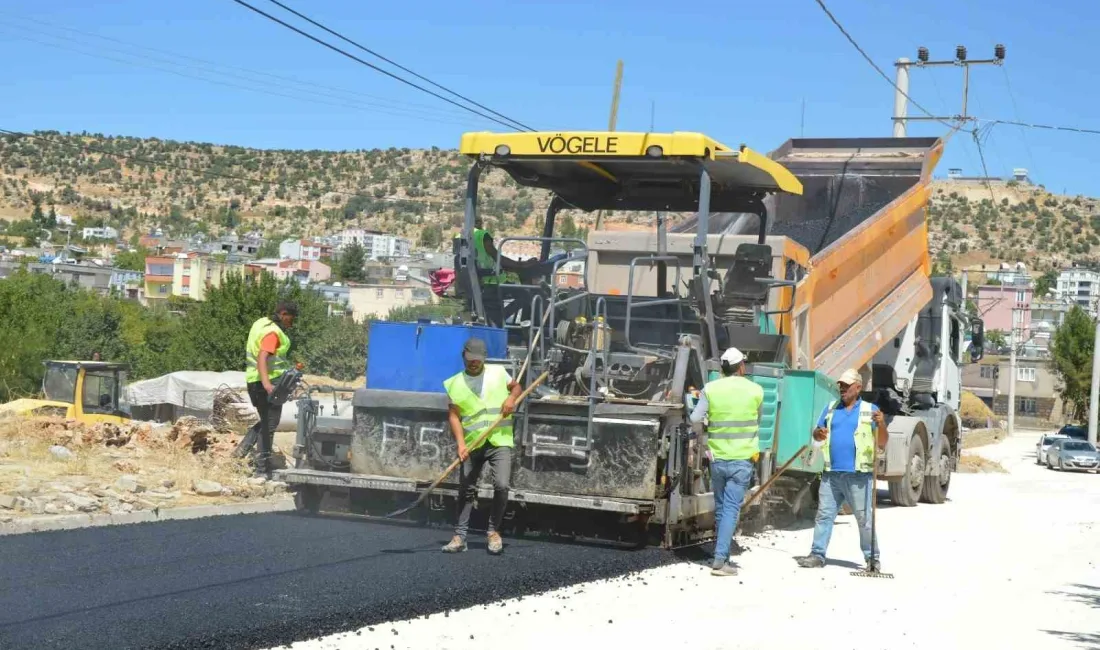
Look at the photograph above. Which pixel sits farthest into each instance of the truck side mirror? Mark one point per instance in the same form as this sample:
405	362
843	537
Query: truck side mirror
977	339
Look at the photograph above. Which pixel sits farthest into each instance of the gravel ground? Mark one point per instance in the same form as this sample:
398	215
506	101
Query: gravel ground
1009	562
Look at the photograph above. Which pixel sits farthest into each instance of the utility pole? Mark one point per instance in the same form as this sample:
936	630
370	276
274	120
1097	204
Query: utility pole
901	102
615	116
1094	392
1012	375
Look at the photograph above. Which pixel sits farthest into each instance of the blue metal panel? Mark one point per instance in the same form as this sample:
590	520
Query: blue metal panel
420	356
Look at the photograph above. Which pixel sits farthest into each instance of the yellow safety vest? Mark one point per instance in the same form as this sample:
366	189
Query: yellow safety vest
487	263
733	407
277	364
865	437
479	412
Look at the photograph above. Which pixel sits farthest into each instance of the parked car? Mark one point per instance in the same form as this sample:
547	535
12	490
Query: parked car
1075	431
1068	453
1045	441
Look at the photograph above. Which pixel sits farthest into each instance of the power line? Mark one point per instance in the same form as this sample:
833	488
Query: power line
1016	113
397	65
874	65
338	101
1048	127
211	64
374	67
205	172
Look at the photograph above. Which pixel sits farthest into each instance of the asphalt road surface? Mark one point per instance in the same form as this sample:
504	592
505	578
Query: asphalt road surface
263	580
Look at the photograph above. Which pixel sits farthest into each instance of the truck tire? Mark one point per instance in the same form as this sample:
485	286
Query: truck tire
935	487
906	490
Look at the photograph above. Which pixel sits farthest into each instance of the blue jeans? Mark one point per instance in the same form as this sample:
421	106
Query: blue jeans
857	488
729	480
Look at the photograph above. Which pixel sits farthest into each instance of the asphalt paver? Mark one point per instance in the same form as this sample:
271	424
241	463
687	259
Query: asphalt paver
256	581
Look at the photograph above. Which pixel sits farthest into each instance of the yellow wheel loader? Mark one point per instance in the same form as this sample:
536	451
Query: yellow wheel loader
88	391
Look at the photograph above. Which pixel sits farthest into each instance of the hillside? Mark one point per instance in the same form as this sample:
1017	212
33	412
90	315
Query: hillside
185	187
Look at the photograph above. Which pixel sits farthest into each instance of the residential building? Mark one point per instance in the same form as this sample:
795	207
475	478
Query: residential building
304	271
1081	285
375	244
194	273
1037	387
127	283
91	277
64	220
1047	315
981	378
159	273
374	301
106	232
237	247
303	249
997	302
570	275
336	295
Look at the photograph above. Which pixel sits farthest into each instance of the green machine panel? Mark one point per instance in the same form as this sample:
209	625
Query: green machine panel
803	395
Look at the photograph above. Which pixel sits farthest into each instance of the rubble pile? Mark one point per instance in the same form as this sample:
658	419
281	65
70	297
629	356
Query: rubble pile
55	466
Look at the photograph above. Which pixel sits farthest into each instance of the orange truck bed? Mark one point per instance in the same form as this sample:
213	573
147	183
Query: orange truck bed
862	216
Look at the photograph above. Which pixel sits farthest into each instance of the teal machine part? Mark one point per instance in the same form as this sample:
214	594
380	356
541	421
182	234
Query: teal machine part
804	395
768	376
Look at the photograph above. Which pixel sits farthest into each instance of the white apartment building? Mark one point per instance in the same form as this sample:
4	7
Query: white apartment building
1082	286
375	244
300	249
105	232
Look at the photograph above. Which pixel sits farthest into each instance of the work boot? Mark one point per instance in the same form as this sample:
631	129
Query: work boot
873	566
810	561
496	544
723	570
456	545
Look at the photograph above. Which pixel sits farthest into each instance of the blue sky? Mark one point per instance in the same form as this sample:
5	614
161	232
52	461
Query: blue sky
737	71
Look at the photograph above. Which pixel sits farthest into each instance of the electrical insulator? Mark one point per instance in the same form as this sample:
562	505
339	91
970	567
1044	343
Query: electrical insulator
960	53
999	52
922	54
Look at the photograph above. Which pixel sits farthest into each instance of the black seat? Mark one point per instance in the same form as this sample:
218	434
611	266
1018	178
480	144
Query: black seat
750	262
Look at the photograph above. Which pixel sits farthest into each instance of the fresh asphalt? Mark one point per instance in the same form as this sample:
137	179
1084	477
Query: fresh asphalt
253	581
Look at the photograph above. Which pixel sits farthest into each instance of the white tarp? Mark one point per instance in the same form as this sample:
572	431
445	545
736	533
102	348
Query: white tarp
190	389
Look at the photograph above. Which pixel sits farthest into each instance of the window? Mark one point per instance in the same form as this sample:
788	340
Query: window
399	293
562	280
162	289
989	372
1021	296
1026	405
100	392
955	339
379	293
1025	374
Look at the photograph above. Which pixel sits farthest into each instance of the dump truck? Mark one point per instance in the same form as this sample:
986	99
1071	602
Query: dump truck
811	260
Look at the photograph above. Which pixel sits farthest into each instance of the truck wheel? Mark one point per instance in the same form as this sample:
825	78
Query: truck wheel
935	487
906	490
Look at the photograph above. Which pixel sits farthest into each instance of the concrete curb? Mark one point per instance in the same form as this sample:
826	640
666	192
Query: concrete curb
71	522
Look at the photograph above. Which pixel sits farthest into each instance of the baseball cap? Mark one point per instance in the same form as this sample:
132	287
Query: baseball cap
475	350
733	356
851	376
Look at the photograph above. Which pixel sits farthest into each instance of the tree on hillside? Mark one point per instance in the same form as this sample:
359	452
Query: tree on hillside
132	260
1046	282
1072	349
431	236
351	264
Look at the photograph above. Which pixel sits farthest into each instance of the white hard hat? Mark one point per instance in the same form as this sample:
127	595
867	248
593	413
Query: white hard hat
851	376
732	356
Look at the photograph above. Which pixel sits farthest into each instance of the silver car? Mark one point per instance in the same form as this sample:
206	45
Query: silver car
1068	453
1045	441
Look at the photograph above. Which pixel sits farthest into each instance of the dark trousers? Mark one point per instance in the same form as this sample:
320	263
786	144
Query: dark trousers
500	465
265	428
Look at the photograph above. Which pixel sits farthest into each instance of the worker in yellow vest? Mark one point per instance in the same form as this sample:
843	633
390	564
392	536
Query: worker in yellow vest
485	254
479	395
845	434
731	406
265	361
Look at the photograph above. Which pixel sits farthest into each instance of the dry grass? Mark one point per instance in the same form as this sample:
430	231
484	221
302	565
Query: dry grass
154	455
981	437
974	464
974	412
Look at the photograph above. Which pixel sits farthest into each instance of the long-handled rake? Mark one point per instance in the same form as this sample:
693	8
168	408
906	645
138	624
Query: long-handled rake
872	570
